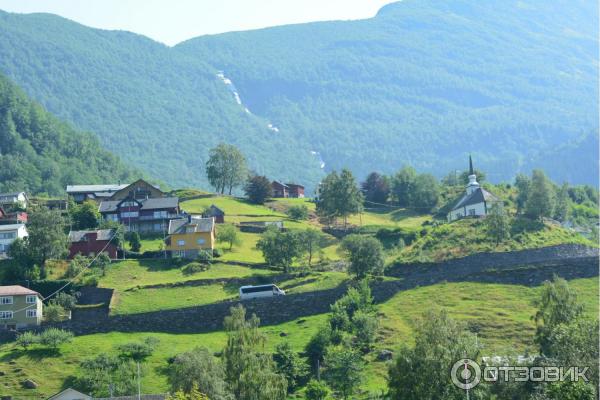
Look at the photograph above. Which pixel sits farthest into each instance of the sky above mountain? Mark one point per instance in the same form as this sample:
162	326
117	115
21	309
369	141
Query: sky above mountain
171	22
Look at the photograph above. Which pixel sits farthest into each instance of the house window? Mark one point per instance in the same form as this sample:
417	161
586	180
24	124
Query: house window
158	227
30	299
112	217
6	300
181	243
31	313
160	214
201	241
129	214
472	211
6	314
8	235
129	204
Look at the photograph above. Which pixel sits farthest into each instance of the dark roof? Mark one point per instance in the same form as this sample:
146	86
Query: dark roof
199	225
294	185
80	236
279	183
146	204
214	211
479	195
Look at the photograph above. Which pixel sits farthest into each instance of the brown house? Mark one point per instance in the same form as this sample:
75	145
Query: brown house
138	190
280	190
216	213
92	243
295	191
148	215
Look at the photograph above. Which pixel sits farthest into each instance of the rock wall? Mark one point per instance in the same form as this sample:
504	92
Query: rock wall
530	268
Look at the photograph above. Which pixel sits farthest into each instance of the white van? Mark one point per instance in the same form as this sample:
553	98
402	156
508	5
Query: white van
252	292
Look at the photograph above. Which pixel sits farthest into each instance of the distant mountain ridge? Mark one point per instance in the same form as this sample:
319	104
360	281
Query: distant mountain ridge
425	83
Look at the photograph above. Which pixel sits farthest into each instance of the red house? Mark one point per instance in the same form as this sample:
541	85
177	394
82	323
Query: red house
91	243
17	217
280	190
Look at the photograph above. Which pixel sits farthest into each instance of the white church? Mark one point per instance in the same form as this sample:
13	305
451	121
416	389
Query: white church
476	202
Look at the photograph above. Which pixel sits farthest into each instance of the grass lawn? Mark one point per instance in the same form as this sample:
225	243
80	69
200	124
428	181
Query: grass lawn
131	273
230	205
144	300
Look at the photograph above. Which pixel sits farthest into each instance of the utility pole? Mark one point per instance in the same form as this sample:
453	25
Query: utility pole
139	382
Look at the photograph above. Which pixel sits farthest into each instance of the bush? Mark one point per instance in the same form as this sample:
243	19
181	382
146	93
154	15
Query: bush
204	257
54	313
27	339
316	390
194	267
217	253
138	351
53	337
298	212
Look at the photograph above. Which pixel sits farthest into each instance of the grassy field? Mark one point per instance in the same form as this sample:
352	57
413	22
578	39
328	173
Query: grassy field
502	313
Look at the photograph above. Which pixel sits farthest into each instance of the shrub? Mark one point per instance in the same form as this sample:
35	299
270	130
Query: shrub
194	267
138	351
298	212
217	253
53	337
27	339
54	312
204	257
317	390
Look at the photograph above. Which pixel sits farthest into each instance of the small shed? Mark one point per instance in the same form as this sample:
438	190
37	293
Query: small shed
216	213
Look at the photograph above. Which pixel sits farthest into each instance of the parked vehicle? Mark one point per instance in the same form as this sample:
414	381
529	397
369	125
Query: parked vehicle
252	292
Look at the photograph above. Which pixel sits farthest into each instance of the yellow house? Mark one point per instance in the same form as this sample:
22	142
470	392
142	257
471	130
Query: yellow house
187	236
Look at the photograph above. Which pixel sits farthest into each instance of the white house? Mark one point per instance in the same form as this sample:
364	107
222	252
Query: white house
476	202
17	198
8	234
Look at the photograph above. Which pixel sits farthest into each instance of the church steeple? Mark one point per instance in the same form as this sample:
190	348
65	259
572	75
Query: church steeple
471	166
473	184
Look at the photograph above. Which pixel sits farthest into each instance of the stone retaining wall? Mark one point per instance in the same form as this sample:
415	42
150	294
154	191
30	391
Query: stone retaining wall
529	268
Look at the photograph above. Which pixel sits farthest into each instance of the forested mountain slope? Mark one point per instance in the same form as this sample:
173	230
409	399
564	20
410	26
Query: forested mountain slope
40	154
427	81
424	82
150	105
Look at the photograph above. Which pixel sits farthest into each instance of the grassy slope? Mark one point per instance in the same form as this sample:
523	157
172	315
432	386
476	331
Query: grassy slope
468	236
503	313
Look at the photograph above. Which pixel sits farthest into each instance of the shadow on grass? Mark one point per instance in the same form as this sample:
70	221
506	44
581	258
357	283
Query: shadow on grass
35	354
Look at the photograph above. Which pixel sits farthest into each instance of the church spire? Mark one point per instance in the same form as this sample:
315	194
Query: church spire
471	172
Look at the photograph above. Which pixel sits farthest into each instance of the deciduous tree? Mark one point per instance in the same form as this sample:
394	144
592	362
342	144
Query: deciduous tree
226	168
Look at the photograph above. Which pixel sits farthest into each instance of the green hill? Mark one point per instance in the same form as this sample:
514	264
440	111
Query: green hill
424	82
40	154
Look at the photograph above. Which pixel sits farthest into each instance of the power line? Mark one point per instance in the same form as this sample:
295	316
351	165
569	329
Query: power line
76	276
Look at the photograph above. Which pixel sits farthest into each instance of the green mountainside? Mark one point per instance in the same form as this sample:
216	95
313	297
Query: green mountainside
424	82
40	154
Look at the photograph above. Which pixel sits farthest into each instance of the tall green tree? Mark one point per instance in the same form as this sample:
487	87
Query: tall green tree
312	241
523	184
198	368
85	215
365	254
498	223
281	249
557	305
47	238
226	168
344	370
402	185
250	371
339	196
425	192
258	189
423	371
561	208
540	201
